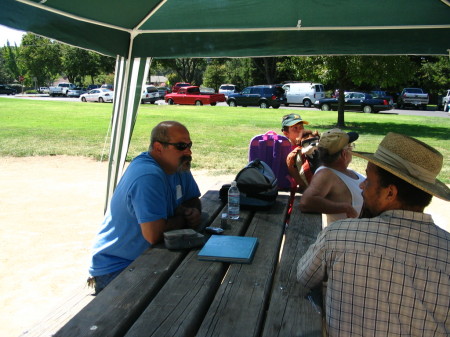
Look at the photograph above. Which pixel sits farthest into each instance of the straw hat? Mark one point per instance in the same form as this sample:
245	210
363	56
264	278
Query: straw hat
411	160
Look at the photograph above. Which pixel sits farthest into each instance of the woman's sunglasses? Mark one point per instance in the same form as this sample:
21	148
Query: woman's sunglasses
179	146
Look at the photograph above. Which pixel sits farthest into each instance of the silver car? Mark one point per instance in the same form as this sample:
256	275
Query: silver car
150	94
100	95
227	89
77	92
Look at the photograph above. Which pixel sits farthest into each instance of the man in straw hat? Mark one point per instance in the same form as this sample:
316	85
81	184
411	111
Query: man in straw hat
334	189
388	275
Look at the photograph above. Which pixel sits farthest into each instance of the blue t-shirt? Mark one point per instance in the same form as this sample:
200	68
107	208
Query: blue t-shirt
145	193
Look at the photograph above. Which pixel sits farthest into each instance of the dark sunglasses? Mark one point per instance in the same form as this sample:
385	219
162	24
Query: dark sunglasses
179	146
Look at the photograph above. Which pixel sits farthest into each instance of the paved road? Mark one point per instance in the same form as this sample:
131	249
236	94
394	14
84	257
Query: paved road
428	113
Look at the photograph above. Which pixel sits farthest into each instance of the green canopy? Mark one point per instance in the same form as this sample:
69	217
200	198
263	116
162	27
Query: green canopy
135	31
238	28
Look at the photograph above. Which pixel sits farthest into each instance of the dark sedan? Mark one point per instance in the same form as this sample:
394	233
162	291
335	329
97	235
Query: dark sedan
5	89
355	101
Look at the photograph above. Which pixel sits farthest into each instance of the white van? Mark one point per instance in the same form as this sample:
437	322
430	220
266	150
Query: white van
303	93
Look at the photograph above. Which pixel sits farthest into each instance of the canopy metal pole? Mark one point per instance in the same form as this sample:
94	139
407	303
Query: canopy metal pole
131	75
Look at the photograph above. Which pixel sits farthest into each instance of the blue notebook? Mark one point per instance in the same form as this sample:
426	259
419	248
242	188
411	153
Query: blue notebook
226	248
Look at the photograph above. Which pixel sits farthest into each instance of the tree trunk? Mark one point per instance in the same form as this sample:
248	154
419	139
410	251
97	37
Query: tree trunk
341	102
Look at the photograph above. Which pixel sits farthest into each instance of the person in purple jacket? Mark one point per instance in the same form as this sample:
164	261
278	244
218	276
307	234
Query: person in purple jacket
157	193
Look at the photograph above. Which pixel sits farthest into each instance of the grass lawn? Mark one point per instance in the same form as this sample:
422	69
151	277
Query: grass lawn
220	134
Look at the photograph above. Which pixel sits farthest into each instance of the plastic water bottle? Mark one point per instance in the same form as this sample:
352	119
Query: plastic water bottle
233	201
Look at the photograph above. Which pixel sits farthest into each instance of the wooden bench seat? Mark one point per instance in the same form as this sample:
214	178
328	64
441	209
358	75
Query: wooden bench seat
289	313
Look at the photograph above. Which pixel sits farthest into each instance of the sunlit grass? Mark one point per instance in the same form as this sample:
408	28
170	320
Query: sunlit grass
220	134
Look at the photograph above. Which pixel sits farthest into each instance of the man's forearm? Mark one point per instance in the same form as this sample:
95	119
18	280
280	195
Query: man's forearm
310	268
175	222
190	211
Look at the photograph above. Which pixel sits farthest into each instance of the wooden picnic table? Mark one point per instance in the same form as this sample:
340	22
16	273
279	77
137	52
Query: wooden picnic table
172	293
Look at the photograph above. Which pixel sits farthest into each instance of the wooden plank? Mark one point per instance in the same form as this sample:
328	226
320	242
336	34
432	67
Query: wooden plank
116	308
180	306
289	313
242	299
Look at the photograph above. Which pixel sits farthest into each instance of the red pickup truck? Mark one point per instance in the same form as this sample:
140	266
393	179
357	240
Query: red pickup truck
192	95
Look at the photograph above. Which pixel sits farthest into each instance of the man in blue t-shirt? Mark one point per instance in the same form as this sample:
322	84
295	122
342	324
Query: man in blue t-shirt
157	193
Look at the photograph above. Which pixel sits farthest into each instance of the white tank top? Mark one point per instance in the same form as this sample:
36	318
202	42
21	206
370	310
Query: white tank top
353	187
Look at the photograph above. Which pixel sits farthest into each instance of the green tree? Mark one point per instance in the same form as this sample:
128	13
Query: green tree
186	69
106	64
78	64
267	68
434	74
298	68
336	68
11	64
40	58
4	75
75	63
105	78
373	71
388	72
239	72
214	75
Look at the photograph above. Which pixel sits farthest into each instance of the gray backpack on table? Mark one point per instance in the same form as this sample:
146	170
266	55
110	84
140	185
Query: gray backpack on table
257	185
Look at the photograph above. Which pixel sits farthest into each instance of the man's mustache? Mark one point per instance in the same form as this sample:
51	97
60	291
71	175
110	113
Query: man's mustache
185	159
185	163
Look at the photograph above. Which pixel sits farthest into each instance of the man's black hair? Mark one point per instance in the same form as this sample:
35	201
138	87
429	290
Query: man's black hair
407	194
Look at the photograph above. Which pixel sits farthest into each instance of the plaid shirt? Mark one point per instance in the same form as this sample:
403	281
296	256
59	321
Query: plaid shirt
387	276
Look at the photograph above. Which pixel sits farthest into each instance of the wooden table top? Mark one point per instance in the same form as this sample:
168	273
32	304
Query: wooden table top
172	293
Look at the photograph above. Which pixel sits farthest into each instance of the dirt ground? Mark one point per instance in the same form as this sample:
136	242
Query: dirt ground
50	210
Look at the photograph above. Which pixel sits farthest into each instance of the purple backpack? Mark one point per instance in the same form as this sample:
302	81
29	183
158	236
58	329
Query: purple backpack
272	149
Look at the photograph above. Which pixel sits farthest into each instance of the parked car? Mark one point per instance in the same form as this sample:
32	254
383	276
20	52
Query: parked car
413	97
61	89
44	90
77	92
93	86
192	95
383	95
206	90
163	91
6	89
227	89
356	101
178	85
446	101
100	95
264	96
305	93
107	86
150	94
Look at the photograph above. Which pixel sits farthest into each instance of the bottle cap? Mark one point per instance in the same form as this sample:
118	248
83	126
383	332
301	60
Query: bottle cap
233	183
